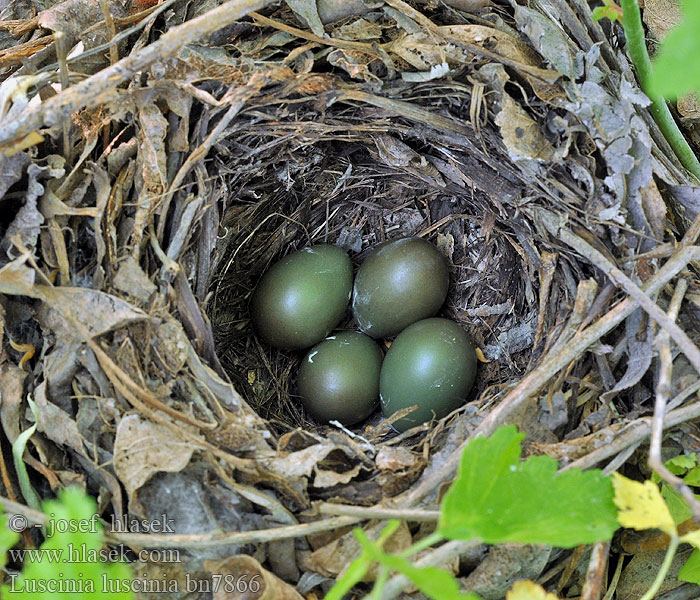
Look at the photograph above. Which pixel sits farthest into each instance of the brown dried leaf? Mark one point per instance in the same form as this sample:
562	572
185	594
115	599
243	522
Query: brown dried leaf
76	20
654	209
17	279
396	458
70	17
130	279
56	424
521	134
26	224
97	311
360	29
170	344
307	10
305	462
422	51
333	558
242	568
11	394
354	62
142	449
399	468
325	478
639	574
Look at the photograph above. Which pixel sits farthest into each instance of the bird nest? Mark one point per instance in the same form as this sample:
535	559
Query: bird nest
138	220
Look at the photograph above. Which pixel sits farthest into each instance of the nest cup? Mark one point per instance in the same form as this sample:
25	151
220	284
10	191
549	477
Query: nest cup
352	200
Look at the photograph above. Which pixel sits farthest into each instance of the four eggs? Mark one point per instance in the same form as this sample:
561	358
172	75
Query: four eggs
397	289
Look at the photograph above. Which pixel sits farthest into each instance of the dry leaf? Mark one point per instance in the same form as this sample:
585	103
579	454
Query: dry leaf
333	558
521	134
248	579
97	311
142	449
131	280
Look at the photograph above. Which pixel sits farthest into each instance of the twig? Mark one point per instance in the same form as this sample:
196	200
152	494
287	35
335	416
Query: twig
60	40
379	513
637	432
152	12
636	46
111	32
621	458
595	574
98	88
200	540
237	99
307	35
679	336
663	391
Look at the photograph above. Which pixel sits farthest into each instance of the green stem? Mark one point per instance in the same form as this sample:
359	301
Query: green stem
426	542
663	571
379	584
636	46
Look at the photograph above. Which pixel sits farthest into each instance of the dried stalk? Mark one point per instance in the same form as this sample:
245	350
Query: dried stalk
98	88
663	391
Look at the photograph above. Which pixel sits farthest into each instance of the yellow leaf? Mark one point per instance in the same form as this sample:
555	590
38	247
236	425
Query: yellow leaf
641	506
693	537
528	590
31	139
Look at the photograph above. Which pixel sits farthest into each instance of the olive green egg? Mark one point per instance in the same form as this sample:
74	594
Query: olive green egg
301	298
399	283
339	378
431	363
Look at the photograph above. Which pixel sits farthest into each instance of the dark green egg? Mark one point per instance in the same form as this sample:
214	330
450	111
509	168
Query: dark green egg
339	378
431	363
401	282
301	298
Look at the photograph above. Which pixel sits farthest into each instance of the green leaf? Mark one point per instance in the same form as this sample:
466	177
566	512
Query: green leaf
693	477
678	465
434	583
690	571
70	561
496	498
353	575
677	506
610	10
676	68
8	538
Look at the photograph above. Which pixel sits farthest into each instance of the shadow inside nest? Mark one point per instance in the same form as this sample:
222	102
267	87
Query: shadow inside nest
348	200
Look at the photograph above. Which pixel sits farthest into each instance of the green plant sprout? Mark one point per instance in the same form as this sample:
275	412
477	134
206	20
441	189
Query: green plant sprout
609	10
68	565
676	71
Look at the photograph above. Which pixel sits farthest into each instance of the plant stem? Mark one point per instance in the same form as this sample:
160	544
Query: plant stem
636	46
426	542
663	571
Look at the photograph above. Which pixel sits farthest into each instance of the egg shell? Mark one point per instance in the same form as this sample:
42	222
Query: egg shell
339	378
301	298
431	363
399	283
